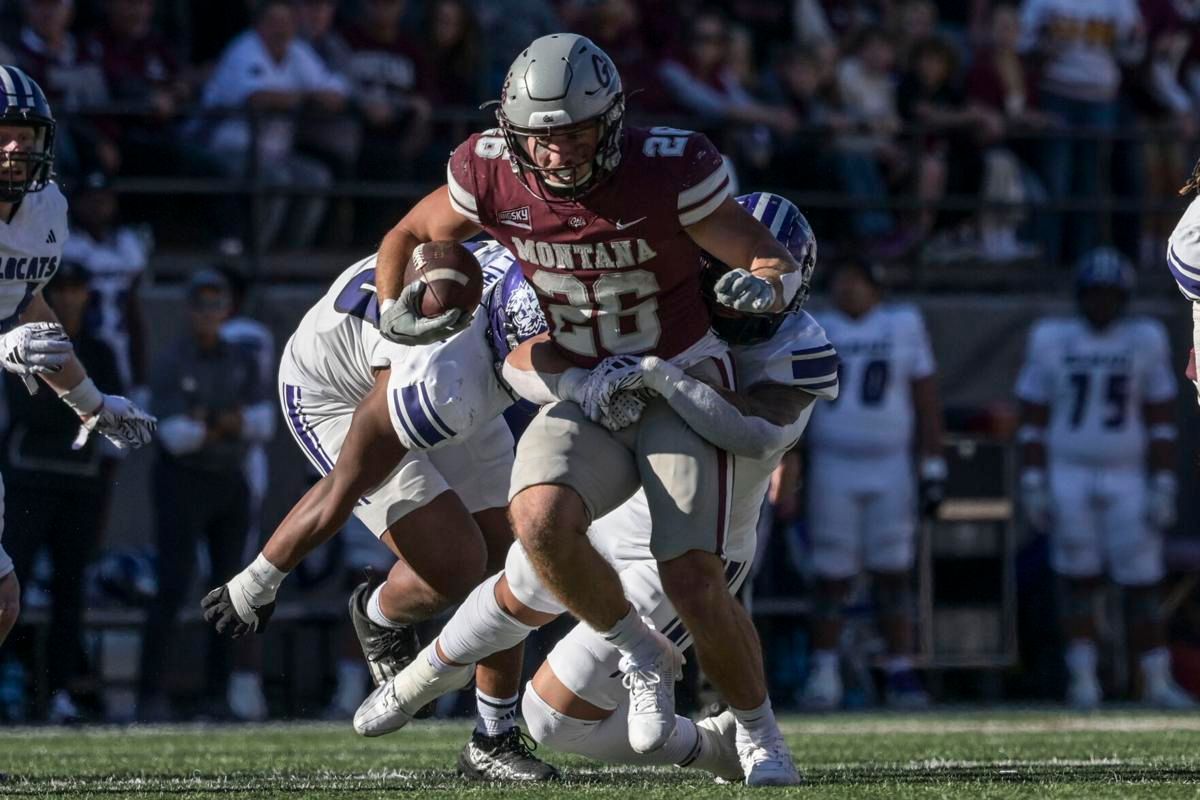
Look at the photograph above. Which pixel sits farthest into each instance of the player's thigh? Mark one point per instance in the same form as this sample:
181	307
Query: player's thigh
1133	548
1075	539
835	522
688	484
479	467
563	447
890	526
441	543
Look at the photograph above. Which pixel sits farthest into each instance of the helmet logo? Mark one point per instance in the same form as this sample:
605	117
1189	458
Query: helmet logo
603	73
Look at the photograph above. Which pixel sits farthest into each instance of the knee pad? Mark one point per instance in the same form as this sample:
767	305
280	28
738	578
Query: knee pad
553	728
480	627
1143	605
525	584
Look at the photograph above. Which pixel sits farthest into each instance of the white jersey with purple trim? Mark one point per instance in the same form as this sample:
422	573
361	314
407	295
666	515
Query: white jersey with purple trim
799	355
1183	252
1095	383
882	353
31	245
436	392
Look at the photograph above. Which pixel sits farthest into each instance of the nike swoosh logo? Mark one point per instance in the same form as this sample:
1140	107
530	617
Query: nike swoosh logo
623	225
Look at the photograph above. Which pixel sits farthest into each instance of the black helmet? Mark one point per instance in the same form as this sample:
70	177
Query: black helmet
22	102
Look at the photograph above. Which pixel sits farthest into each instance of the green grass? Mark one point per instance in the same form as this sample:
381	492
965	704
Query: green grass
946	755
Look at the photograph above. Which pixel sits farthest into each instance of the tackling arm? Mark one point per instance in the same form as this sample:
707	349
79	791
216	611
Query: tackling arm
765	420
730	234
369	454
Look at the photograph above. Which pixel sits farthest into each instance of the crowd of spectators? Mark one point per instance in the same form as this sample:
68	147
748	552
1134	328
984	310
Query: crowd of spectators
909	128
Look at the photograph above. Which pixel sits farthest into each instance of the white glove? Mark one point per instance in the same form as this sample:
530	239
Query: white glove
610	377
1160	500
621	411
401	321
36	347
119	421
741	291
1036	501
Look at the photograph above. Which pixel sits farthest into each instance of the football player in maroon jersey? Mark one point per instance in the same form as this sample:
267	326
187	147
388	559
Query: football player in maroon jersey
608	224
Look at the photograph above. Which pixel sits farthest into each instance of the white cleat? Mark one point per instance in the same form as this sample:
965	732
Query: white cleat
767	764
393	705
651	686
1169	695
1083	692
717	750
823	690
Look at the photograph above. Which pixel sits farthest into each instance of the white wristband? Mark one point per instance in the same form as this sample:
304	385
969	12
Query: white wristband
84	398
255	587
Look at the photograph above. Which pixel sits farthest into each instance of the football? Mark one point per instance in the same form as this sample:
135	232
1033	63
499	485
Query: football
451	275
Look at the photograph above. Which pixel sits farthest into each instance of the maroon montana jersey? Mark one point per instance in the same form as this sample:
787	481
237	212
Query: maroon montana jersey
615	271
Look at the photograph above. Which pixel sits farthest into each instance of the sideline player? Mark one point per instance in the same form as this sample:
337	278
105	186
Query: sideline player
576	702
1183	259
33	228
608	224
1097	407
410	440
861	504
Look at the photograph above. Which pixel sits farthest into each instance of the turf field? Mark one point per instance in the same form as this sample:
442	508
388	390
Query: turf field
946	755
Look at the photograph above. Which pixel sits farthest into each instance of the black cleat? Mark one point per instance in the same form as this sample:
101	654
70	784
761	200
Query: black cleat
387	650
508	757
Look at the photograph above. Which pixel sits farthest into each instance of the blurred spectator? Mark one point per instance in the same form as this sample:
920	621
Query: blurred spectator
913	22
55	494
867	89
48	51
207	396
619	28
314	20
951	158
267	71
701	82
116	257
507	29
143	73
1080	47
455	48
387	72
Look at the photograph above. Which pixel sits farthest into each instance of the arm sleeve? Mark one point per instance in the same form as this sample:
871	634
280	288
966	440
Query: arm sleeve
1159	378
460	180
1183	259
1034	384
705	181
233	79
712	416
6	563
313	72
435	409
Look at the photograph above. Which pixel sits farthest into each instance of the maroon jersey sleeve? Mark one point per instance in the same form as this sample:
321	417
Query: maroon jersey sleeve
461	180
703	179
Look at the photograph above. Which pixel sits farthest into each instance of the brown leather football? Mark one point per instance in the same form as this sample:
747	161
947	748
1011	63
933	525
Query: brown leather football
451	274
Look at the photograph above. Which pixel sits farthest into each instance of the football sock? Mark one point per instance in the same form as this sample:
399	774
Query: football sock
375	612
480	627
631	636
495	715
756	724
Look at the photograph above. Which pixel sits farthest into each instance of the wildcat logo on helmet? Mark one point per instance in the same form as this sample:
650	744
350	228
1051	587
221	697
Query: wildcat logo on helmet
517	217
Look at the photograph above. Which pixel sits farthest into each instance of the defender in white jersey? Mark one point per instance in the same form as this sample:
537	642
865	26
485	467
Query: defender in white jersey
1097	407
33	229
1183	259
863	496
579	702
409	439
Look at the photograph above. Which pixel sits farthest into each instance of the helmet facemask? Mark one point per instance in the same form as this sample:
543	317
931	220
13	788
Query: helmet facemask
26	169
566	183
